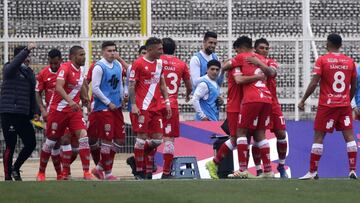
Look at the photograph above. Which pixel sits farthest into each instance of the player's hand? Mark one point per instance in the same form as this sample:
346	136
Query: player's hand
219	101
253	60
261	76
31	46
357	111
168	112
112	106
205	119
135	109
44	115
74	106
301	105
125	100
187	98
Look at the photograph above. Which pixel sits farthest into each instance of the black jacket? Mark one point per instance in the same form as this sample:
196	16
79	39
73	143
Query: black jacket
18	87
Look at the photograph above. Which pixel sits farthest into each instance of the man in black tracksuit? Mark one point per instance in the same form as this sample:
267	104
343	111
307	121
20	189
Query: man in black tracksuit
17	108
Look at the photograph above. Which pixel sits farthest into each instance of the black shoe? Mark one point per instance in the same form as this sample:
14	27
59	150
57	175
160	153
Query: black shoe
8	178
148	176
139	175
16	175
131	162
166	176
259	172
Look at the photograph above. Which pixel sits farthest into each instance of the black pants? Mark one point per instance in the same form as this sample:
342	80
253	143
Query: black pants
13	125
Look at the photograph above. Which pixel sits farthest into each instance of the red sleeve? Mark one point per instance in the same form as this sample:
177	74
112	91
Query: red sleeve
236	71
318	67
237	61
135	72
62	73
354	73
186	72
89	74
272	63
40	82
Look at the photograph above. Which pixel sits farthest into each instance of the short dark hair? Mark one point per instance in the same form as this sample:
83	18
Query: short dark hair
143	47
213	63
18	49
169	45
261	41
74	49
54	53
107	44
243	41
209	34
335	40
152	41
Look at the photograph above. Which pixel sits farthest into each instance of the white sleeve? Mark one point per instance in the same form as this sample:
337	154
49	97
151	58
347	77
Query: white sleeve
96	81
200	92
353	103
194	69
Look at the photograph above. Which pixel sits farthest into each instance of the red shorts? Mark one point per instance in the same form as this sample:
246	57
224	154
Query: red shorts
92	128
58	122
255	116
171	126
277	118
149	122
328	118
232	118
111	125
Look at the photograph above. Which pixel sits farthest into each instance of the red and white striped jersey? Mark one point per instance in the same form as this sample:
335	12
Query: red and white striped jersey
46	81
147	75
73	78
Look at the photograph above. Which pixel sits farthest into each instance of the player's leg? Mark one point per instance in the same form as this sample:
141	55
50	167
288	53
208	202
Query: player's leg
56	159
93	138
55	128
66	154
225	148
77	125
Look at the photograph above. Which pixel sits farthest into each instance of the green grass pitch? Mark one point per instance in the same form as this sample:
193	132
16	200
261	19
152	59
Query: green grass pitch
171	191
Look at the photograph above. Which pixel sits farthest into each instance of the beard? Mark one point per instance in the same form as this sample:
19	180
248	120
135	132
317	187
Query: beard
208	51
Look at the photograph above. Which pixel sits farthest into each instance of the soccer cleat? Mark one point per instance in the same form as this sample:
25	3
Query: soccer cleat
139	175
166	176
212	168
282	171
87	175
59	177
131	162
259	172
111	178
40	177
16	175
8	178
267	175
310	176
97	173
148	176
352	175
241	175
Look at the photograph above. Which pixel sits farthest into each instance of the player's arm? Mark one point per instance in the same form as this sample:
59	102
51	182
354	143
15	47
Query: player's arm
121	60
60	89
39	101
226	66
242	79
267	70
165	95
194	69
84	95
200	91
309	90
188	87
353	88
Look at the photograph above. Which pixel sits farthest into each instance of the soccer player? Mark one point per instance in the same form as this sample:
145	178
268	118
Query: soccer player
198	63
65	111
256	105
277	123
146	83
46	81
206	100
174	71
336	73
108	89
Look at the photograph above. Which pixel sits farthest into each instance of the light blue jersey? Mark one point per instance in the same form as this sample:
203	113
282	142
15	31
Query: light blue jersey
203	67
111	85
357	92
209	106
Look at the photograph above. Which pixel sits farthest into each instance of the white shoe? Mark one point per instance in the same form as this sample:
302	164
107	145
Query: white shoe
310	176
242	175
352	175
267	175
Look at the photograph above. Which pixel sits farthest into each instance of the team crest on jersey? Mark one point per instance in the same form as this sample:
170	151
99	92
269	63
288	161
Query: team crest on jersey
54	126
146	68
107	127
61	73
